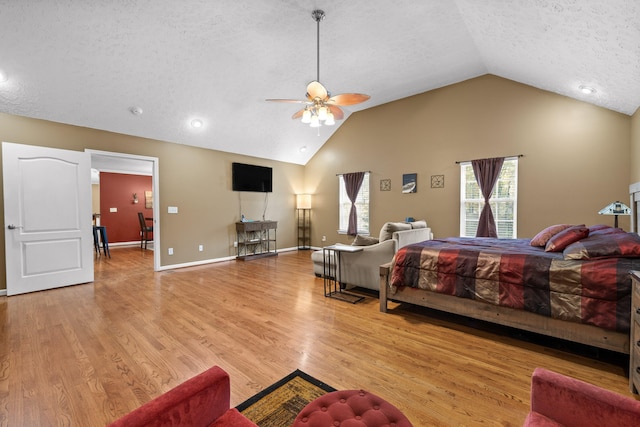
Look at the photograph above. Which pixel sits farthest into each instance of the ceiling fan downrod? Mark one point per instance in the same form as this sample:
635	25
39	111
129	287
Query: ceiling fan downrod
318	15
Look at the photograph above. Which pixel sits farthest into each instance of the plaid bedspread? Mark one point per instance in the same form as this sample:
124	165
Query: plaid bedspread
512	273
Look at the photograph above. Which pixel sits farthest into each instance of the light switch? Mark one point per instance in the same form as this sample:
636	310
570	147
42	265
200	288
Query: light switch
172	209
113	209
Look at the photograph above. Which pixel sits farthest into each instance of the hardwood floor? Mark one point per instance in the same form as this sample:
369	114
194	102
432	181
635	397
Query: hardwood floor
85	355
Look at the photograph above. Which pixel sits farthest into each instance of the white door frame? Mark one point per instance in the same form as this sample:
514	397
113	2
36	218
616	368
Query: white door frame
155	187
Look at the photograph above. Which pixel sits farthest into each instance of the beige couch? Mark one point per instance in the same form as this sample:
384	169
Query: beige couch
363	268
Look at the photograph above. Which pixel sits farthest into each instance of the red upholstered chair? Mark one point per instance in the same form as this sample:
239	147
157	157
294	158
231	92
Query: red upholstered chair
558	400
202	401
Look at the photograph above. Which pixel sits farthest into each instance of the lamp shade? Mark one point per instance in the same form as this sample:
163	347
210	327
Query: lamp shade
615	208
306	116
303	201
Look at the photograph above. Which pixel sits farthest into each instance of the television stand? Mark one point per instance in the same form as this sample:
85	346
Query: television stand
256	239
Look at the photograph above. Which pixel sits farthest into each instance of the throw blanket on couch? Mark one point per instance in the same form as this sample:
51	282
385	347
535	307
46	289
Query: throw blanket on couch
512	273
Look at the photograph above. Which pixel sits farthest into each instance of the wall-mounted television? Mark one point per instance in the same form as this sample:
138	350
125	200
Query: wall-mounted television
251	178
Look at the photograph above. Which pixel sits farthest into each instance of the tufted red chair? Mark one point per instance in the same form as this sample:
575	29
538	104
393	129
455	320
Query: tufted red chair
351	408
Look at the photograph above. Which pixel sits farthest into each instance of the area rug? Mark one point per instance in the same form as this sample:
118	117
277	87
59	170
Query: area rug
279	404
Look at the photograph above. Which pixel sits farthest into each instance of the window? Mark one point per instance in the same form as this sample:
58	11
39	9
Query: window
362	206
503	200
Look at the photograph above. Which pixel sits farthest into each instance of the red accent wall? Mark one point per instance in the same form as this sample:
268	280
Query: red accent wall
116	191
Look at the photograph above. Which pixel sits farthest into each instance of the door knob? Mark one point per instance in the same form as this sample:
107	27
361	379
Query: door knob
13	227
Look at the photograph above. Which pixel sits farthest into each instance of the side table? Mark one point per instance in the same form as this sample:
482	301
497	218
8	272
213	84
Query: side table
332	272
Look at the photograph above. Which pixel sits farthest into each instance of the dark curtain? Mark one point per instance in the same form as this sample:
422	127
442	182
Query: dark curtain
352	183
487	172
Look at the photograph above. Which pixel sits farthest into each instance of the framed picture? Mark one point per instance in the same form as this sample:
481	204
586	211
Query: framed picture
385	185
148	199
437	181
410	183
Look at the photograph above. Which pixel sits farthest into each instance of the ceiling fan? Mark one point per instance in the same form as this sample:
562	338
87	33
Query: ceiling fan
321	107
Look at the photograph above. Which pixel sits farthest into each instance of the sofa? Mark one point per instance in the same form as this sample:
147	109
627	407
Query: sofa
363	268
202	401
558	400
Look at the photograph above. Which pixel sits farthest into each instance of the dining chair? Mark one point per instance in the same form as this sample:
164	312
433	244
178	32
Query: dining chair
144	231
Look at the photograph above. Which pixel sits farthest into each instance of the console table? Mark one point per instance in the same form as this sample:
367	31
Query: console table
256	239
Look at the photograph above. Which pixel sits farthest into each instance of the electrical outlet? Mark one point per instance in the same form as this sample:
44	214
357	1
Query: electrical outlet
201	248
324	238
170	251
235	244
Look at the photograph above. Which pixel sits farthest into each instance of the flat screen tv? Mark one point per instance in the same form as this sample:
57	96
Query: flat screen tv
251	178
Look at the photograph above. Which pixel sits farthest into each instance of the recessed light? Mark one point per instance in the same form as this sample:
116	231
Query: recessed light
303	149
196	123
587	90
136	111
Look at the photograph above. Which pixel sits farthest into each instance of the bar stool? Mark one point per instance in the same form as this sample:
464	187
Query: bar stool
100	235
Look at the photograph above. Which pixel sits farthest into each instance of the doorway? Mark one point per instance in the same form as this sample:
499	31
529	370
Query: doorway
105	161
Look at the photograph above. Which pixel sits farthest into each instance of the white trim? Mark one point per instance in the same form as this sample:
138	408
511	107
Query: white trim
3	292
212	261
196	263
155	187
132	243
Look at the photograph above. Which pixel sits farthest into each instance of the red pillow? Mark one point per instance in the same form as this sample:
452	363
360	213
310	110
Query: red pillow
566	237
543	237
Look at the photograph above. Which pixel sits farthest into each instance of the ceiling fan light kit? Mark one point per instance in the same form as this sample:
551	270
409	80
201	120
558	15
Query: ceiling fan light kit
322	108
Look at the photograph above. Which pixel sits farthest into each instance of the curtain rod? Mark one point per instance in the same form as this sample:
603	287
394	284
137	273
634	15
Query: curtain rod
506	157
340	174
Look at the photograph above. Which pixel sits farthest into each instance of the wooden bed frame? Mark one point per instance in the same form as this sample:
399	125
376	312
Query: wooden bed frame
570	331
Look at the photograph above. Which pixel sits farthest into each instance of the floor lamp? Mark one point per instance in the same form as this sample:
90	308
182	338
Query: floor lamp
303	205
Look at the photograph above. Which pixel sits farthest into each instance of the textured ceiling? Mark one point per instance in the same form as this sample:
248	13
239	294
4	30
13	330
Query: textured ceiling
87	62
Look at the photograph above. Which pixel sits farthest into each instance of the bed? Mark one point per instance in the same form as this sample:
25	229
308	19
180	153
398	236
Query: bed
575	286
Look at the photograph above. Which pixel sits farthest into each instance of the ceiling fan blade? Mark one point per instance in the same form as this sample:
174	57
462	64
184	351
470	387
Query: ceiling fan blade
348	99
316	90
337	112
293	101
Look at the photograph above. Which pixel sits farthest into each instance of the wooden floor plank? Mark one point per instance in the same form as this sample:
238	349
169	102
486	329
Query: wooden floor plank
87	354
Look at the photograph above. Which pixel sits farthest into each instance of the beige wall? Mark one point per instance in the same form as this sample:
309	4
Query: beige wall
196	180
577	159
576	156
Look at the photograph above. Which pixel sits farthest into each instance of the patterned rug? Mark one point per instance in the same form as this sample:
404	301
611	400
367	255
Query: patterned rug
279	404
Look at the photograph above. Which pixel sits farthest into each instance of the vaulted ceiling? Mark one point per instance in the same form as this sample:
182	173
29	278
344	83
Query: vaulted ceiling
92	62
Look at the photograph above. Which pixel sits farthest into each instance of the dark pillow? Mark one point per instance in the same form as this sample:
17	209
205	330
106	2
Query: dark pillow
597	227
625	245
604	229
543	236
566	237
364	240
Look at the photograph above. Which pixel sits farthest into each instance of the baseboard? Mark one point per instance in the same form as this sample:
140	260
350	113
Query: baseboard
3	292
210	261
133	243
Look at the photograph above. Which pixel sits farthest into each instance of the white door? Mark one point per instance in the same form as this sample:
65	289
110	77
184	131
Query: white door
47	215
